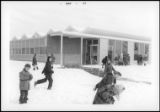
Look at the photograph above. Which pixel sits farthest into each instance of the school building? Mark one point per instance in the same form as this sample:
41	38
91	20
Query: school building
71	47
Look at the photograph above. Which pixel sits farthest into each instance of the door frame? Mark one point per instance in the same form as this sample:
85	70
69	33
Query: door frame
90	46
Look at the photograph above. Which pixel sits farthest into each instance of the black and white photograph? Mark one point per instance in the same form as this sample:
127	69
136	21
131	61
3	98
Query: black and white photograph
80	55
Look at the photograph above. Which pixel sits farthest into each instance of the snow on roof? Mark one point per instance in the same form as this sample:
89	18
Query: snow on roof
30	36
114	34
75	34
71	29
36	35
14	38
50	31
88	32
24	37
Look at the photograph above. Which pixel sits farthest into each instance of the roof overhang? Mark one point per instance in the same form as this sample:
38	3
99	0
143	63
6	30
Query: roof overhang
83	35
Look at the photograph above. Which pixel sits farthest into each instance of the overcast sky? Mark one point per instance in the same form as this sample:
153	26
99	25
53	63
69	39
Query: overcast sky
137	18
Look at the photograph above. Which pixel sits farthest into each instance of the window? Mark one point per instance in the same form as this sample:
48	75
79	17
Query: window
141	48
42	50
37	50
27	50
111	42
136	48
125	47
95	41
146	52
42	41
146	48
12	50
17	52
31	50
23	50
111	49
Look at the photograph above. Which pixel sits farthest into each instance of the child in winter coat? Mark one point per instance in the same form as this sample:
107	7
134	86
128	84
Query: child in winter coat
104	60
34	62
25	78
105	91
48	73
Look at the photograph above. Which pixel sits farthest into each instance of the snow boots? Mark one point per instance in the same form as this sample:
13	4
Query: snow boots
35	67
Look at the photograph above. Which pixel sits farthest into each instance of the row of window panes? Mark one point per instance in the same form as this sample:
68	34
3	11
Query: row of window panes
116	47
38	50
137	49
27	42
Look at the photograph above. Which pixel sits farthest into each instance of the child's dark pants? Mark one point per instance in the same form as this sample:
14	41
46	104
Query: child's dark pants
47	77
23	96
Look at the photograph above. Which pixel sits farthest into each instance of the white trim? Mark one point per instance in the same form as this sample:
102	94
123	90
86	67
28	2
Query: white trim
61	50
85	52
81	50
90	54
114	52
139	48
121	47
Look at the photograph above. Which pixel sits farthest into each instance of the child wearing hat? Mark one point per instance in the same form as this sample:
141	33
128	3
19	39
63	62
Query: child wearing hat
25	78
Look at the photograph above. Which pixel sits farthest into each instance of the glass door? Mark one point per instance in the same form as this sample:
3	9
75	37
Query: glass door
90	51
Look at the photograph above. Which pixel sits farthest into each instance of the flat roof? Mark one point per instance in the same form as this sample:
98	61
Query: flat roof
85	35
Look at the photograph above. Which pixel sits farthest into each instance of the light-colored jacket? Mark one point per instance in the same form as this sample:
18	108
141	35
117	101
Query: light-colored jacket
25	78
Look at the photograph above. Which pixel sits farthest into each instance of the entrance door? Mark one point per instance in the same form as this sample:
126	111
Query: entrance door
90	52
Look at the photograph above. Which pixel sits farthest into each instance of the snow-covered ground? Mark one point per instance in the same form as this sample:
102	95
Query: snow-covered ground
73	89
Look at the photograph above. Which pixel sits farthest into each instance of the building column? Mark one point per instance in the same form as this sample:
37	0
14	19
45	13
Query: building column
121	47
61	50
114	50
139	48
81	50
103	48
131	51
98	51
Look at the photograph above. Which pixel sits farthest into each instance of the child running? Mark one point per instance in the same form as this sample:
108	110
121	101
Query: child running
48	73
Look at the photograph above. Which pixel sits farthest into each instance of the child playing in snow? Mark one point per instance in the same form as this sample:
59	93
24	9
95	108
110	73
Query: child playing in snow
109	69
104	60
25	78
34	62
105	87
48	73
104	93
